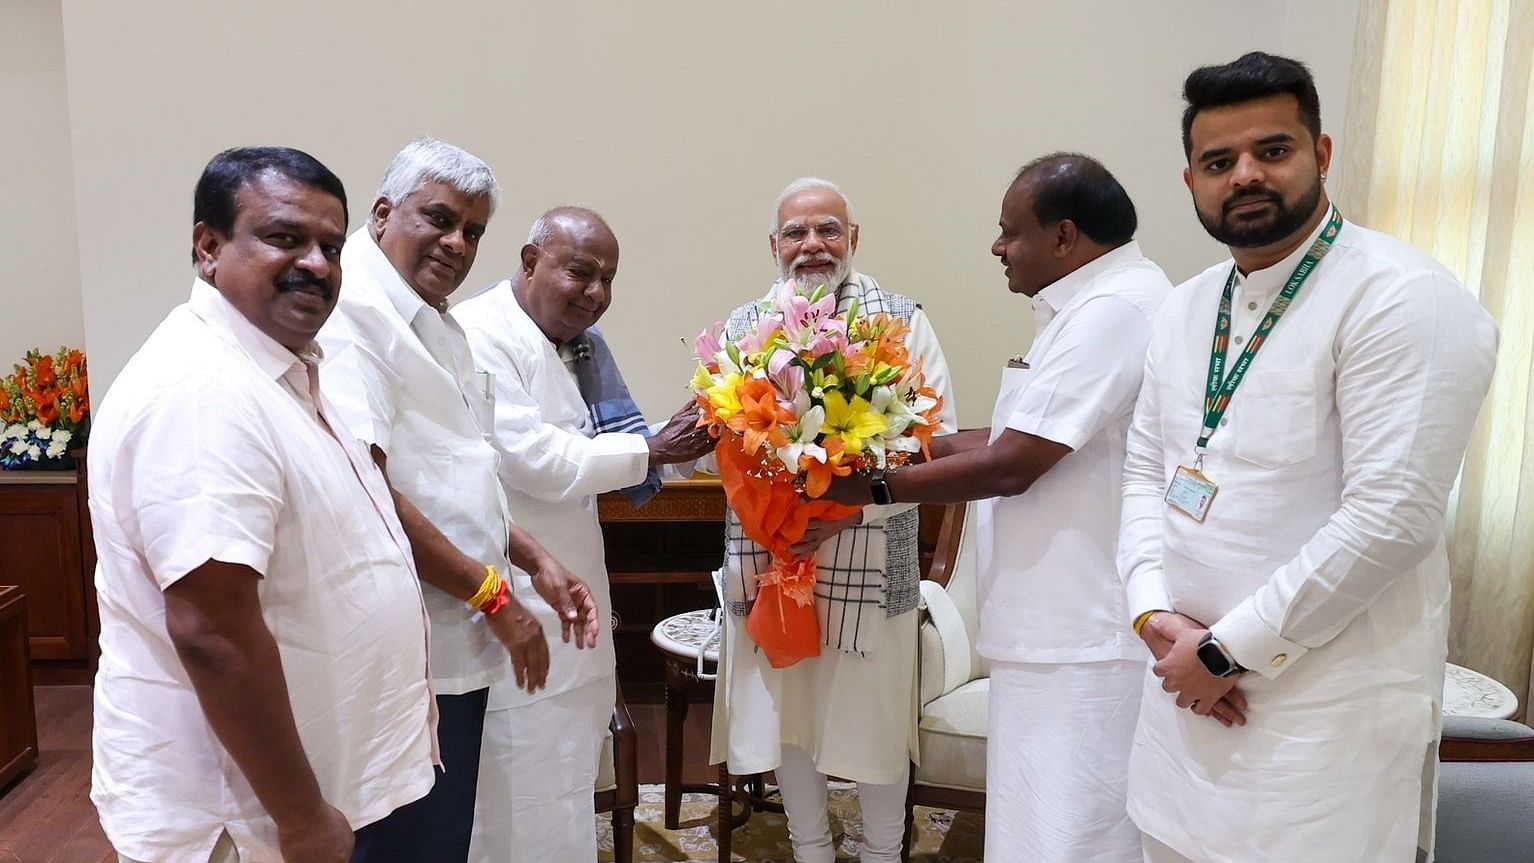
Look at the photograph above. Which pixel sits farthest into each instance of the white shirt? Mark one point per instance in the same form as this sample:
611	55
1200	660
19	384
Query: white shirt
1321	564
401	377
211	446
553	465
1049	590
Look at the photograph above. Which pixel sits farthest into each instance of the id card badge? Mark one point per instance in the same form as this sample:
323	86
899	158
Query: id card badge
1191	493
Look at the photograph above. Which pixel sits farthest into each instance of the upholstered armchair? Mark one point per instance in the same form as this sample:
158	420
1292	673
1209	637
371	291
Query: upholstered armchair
953	681
617	788
1485	791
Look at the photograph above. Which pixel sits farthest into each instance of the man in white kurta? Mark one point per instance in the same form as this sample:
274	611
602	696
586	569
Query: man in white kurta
1066	669
262	690
851	711
400	372
534	334
1319	566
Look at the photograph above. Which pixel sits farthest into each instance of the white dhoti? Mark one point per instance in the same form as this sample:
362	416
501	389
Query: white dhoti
537	774
1057	762
854	715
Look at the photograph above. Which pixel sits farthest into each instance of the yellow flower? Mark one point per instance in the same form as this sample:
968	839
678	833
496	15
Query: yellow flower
852	422
701	379
724	398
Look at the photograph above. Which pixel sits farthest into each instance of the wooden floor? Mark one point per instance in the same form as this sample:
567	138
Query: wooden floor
47	816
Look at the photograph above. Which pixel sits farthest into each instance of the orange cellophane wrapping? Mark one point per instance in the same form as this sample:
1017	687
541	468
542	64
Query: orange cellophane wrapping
774	515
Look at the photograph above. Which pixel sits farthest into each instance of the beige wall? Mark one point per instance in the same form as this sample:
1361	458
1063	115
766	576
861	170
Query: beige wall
39	258
679	120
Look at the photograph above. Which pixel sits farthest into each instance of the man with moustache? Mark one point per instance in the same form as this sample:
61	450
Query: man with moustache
850	712
262	688
567	430
1283	507
399	369
1066	669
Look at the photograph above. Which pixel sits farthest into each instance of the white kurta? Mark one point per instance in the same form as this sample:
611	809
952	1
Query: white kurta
538	763
1049	592
1321	565
854	713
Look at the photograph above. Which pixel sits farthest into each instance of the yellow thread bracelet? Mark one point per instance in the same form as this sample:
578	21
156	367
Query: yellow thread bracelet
1143	618
487	588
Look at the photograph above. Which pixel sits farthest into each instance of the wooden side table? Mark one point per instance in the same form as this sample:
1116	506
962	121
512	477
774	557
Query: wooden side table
680	639
18	722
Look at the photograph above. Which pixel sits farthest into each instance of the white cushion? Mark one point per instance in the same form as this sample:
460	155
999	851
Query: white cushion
947	655
607	773
952	734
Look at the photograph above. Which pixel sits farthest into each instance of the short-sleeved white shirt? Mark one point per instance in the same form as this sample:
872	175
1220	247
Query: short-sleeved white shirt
401	377
1049	586
211	445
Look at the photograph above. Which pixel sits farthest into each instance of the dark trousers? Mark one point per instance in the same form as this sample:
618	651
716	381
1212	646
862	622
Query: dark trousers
436	828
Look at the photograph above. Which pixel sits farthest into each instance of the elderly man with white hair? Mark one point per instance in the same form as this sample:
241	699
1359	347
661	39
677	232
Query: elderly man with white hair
567	430
850	712
399	371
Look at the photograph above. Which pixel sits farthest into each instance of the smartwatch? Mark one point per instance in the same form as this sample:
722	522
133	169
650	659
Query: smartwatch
1217	660
879	488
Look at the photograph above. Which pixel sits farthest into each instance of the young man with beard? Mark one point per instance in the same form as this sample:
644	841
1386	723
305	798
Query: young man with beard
851	711
1305	409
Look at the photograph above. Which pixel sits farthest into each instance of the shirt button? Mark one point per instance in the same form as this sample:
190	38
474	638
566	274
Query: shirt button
1280	659
1240	339
1225	421
1252	306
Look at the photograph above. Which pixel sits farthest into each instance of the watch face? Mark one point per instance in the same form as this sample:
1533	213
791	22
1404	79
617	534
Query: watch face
1214	659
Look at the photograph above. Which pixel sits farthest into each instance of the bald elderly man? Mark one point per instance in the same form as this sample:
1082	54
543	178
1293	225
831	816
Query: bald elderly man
567	430
851	711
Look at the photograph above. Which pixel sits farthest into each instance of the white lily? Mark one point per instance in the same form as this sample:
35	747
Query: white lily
801	439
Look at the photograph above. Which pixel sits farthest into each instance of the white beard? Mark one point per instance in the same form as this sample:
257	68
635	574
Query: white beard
810	281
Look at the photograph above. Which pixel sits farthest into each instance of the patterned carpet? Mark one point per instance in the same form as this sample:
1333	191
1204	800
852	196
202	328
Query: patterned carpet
941	836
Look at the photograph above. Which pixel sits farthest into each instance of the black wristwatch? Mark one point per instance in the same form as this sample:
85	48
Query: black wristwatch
1217	660
879	488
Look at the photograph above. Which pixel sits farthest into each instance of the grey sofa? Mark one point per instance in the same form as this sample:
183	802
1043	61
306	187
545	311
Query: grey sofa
1485	792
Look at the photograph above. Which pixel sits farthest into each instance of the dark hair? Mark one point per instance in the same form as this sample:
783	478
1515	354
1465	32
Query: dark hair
1077	187
1252	76
213	202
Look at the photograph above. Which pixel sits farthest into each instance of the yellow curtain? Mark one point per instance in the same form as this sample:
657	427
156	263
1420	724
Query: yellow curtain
1440	152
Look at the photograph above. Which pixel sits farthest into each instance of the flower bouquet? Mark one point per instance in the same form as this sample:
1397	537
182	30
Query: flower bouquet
808	395
44	410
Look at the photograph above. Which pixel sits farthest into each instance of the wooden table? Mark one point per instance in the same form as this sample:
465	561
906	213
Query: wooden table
660	560
18	723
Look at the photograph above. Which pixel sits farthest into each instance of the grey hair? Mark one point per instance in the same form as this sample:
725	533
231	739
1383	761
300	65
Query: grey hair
804	184
428	159
543	229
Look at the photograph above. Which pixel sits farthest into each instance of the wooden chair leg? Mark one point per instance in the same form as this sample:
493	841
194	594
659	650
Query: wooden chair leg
910	817
726	811
676	719
623	834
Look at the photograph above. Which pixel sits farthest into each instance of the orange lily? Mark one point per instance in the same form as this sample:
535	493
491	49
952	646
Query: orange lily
817	475
760	416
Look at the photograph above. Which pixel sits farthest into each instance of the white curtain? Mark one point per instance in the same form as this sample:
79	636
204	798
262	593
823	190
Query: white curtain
1440	143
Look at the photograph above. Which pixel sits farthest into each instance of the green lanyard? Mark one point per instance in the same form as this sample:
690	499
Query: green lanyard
1220	387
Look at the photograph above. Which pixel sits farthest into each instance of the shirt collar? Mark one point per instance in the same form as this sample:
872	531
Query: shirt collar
272	358
1270	279
1059	294
380	270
